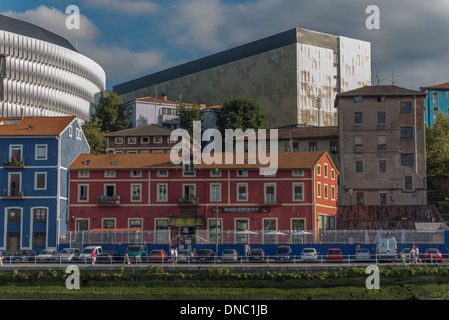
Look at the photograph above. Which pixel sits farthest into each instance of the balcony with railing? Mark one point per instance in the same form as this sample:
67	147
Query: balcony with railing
13	193
189	201
271	200
108	201
14	163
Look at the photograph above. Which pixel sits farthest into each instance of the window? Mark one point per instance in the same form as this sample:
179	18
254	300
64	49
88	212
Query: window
381	99
358	118
135	223
162	192
242	194
132	140
382	198
326	191
15	153
435	112
358	99
333	146
109	190
40	215
136	173
41	152
270	193
189	191
318	189
14	215
298	173
359	166
312	146
215	192
406	132
332	174
407	159
136	192
358	141
108	224
381	117
145	140
408	182
333	192
162	173
189	169
360	198
325	170
298	192
118	140
381	141
406	107
83	192
382	166
130	110
435	97
242	173
157	139
40	181
70	131
215	173
109	173
318	170
83	173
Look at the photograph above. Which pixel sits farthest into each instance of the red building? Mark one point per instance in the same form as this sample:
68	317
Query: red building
148	191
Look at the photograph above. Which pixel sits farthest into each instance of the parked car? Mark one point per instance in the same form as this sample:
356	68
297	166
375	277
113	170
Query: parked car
185	255
309	254
137	252
24	256
6	255
362	254
229	255
67	255
334	254
256	255
283	253
405	255
432	255
86	254
157	255
47	255
207	255
110	256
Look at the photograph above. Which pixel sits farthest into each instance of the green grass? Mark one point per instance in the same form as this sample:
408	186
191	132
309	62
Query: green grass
156	284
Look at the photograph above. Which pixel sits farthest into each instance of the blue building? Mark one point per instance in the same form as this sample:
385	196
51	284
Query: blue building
35	153
437	101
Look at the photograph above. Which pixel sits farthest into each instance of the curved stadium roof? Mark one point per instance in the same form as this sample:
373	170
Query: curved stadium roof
30	30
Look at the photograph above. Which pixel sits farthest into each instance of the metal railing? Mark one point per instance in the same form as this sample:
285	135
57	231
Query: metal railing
349	237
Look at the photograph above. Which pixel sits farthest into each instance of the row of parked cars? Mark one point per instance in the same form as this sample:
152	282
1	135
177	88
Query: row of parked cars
140	253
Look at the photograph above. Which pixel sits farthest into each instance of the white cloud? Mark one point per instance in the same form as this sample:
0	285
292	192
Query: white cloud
126	7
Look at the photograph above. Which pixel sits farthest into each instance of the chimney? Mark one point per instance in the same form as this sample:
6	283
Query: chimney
164	97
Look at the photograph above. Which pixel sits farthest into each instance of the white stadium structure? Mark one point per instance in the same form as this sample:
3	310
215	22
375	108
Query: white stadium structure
42	74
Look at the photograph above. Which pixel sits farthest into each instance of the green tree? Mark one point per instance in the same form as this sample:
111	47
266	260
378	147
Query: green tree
240	113
437	153
187	115
110	113
94	135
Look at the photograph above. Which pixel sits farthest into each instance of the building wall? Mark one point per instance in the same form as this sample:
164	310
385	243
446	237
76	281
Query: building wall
437	101
370	143
149	209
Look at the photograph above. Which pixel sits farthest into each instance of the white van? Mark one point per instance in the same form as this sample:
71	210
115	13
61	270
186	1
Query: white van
86	254
387	249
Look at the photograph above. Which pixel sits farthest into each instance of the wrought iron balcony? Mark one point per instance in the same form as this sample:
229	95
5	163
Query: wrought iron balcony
271	200
189	201
13	193
14	163
108	201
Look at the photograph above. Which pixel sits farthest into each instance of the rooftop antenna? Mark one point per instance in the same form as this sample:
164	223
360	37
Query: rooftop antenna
377	78
393	82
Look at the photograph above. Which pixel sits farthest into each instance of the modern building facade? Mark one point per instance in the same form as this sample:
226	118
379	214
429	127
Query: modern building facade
436	101
149	192
288	75
42	74
35	155
382	146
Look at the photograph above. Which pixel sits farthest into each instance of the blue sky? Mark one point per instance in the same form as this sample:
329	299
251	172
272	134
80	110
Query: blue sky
132	38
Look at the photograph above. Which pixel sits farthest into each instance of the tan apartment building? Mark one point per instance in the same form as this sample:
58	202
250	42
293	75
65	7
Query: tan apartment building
382	146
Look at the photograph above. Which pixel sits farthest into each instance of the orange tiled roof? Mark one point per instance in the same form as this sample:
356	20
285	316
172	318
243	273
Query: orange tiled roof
27	126
286	160
444	85
386	90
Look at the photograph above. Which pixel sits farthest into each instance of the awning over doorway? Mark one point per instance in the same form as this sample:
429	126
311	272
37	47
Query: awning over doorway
181	221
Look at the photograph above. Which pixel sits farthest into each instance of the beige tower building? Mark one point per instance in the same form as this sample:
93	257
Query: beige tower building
289	75
382	146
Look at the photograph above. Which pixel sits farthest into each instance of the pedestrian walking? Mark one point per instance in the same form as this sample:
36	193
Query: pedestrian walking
94	257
